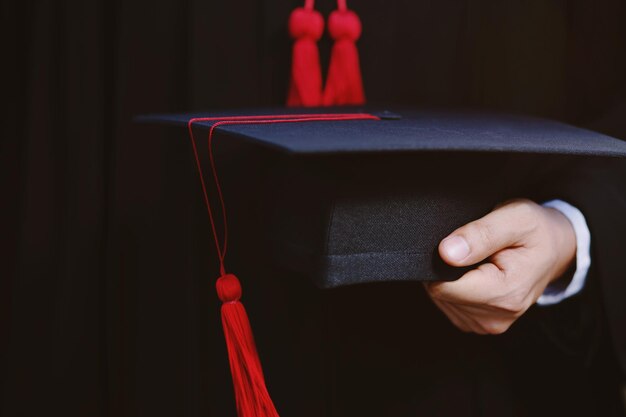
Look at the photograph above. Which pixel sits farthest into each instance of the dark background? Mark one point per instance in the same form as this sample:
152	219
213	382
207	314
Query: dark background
104	302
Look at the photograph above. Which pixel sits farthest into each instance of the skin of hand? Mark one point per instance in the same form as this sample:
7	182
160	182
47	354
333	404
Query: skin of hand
526	247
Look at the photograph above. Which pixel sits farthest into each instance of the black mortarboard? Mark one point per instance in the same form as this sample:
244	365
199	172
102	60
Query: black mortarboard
362	197
355	201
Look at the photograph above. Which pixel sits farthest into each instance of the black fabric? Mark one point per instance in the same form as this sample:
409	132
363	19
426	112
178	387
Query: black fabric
377	218
369	201
106	299
414	131
385	366
347	220
603	201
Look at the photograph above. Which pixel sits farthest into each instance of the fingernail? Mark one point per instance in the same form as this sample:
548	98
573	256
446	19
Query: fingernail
456	248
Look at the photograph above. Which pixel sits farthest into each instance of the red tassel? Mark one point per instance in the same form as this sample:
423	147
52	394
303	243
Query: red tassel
306	26
344	84
251	394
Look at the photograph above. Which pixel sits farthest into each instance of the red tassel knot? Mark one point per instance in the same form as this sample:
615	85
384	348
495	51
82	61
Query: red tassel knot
228	288
306	24
344	24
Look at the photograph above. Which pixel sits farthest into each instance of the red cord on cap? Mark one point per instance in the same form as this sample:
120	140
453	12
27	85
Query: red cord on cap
251	394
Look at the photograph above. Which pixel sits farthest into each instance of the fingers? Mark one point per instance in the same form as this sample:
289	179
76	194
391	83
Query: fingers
478	286
473	319
506	226
515	237
459	319
483	301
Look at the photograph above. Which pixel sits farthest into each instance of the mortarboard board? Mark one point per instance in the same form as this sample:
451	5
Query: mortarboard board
368	197
358	201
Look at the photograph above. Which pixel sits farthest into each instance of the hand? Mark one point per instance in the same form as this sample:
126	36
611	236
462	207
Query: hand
527	247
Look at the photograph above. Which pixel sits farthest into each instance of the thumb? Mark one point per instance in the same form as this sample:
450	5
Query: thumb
506	226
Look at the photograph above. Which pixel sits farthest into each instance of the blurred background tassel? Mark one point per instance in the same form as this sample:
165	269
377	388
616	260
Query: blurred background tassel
306	26
344	84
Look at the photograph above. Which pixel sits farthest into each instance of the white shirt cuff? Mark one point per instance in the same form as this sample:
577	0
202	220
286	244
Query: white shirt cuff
553	295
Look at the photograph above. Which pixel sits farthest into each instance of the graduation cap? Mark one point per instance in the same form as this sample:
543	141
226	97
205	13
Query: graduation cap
364	195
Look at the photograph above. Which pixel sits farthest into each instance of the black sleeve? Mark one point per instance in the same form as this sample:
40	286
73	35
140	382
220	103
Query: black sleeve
598	189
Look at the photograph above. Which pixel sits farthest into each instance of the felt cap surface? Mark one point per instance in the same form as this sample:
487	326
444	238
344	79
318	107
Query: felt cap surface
349	202
409	130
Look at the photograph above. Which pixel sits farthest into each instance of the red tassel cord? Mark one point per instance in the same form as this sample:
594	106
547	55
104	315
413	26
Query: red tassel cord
344	84
306	26
251	394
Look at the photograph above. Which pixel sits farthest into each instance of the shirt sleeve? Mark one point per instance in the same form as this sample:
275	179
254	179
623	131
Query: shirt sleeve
552	294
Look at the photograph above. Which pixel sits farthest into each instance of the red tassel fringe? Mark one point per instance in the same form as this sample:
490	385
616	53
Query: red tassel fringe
251	395
306	27
344	84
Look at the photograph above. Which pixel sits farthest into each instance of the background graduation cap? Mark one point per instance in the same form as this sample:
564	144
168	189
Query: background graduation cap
365	195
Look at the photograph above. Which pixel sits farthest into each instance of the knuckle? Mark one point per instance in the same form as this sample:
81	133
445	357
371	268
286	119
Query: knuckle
496	326
436	290
528	214
523	209
522	204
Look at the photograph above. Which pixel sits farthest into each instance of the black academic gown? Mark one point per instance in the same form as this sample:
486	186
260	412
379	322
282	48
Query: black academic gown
599	190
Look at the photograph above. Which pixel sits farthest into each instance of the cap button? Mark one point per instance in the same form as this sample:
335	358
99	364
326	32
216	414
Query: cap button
228	288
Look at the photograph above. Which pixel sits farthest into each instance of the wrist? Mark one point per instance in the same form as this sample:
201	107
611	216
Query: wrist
563	243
